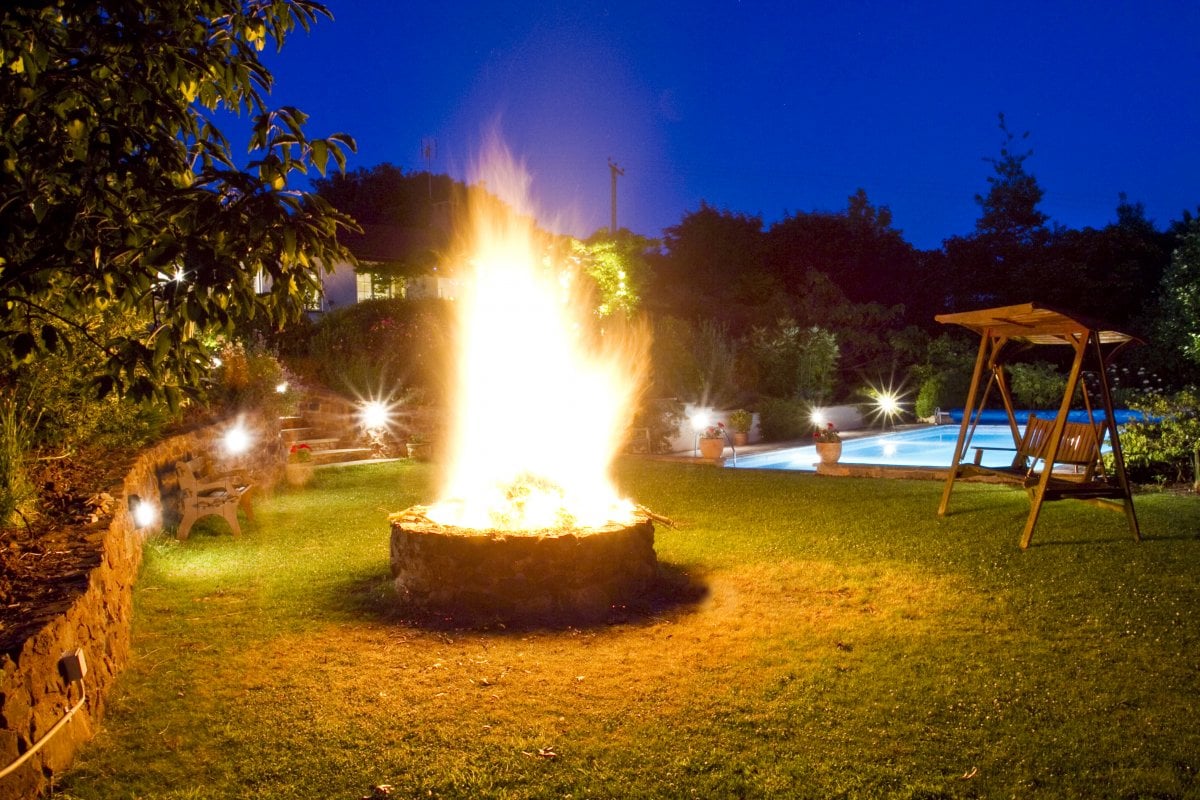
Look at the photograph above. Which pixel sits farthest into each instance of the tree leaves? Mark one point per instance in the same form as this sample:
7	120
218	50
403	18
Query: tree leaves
117	177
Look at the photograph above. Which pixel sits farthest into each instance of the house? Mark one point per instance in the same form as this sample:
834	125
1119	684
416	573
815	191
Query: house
394	261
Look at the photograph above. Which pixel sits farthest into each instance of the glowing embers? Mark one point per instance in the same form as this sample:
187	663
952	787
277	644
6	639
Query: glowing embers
531	503
547	576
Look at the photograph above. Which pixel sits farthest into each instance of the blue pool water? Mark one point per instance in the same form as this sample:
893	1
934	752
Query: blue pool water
997	416
919	447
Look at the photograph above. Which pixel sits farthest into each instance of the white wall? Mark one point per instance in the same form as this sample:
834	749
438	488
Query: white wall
845	418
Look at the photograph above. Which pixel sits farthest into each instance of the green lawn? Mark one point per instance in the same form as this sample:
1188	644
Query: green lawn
823	638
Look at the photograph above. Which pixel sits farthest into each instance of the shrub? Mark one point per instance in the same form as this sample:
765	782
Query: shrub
696	363
16	438
741	420
781	420
52	423
945	376
382	347
1037	385
795	362
249	377
929	396
661	417
1162	449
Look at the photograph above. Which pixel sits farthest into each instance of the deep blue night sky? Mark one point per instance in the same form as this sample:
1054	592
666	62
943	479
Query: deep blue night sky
769	108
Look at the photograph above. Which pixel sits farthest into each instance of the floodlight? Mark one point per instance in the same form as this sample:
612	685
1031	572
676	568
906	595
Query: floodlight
236	440
375	414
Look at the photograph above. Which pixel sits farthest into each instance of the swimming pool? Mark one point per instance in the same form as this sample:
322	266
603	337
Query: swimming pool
919	447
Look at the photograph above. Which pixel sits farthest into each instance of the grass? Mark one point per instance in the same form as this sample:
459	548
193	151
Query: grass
847	643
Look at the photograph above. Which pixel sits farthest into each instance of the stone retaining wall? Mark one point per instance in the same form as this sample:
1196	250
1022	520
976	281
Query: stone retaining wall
34	693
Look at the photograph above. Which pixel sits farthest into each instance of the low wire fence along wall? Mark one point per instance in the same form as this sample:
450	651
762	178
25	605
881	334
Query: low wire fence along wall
39	684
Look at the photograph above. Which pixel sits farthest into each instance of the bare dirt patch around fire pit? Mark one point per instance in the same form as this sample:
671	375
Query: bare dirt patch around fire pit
546	577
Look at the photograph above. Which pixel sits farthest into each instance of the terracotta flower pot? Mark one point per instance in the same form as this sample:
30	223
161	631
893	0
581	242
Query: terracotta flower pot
712	448
829	452
298	473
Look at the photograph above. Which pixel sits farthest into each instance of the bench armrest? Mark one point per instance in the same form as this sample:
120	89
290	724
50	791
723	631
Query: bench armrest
979	452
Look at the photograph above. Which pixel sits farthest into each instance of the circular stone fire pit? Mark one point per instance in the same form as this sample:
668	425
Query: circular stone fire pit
546	576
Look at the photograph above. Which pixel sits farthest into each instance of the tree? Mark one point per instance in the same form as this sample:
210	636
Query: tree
712	268
795	362
385	195
1110	273
1179	312
998	263
119	196
858	249
617	267
1009	210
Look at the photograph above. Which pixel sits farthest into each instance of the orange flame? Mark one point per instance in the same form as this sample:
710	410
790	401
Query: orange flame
543	399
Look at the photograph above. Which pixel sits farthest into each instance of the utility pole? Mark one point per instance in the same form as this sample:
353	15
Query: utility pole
615	170
428	154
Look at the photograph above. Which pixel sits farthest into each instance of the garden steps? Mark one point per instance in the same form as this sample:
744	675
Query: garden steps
358	462
292	436
318	444
333	455
326	424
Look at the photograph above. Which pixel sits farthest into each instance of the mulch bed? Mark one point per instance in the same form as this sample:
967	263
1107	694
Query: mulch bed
45	561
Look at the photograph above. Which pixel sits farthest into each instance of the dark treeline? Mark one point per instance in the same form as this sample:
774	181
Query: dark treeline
830	306
853	273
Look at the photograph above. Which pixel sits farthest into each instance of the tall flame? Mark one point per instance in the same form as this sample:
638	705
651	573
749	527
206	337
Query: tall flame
543	397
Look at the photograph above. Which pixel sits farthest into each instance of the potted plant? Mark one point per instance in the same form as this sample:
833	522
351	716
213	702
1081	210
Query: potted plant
712	441
299	467
829	443
741	421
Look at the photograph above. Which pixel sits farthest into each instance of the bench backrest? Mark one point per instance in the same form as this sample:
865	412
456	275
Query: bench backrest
186	470
1080	444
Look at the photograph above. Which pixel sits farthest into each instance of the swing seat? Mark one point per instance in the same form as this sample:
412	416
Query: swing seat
1078	460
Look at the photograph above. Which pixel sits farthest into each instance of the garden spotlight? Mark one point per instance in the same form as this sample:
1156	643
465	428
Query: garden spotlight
889	404
236	440
144	513
375	414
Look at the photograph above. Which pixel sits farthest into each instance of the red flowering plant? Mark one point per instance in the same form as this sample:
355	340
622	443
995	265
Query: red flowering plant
827	434
714	431
300	453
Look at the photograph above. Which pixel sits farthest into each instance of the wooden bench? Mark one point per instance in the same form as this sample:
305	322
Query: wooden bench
1080	448
203	497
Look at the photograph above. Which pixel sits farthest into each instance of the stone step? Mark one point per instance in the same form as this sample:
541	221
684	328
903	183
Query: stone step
358	462
287	423
340	454
293	435
319	444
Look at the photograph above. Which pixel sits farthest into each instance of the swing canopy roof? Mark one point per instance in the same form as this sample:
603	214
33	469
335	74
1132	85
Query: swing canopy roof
1034	323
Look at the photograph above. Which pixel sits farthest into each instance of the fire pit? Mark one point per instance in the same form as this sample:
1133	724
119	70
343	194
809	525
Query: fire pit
538	576
536	531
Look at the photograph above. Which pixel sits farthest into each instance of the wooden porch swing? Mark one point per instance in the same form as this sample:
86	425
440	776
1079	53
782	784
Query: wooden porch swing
1056	444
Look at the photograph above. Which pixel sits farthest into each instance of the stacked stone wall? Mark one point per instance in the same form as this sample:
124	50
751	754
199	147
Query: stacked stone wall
94	617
